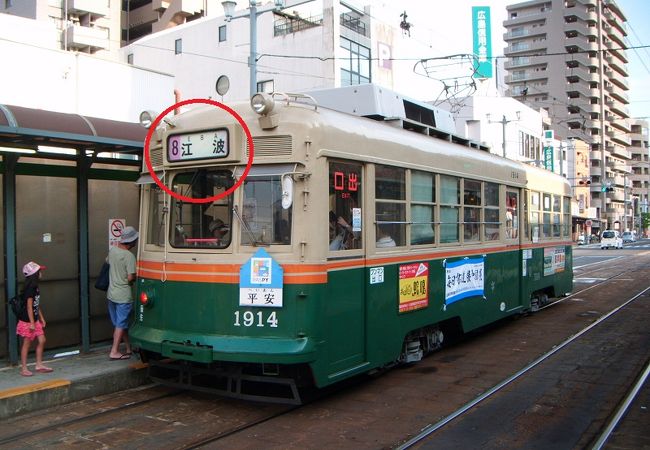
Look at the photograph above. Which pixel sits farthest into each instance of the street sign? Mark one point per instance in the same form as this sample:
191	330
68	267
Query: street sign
548	158
115	227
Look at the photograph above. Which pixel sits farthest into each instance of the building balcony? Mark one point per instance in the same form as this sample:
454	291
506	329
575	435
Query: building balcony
619	108
621	124
620	82
523	18
290	25
580	12
579	43
573	73
521	61
94	7
93	38
620	68
539	30
530	75
141	16
619	54
582	59
621	152
619	137
578	95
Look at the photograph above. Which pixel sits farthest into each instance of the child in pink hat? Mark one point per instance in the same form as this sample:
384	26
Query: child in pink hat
31	325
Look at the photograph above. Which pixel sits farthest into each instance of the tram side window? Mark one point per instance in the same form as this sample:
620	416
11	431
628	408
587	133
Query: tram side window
390	206
471	210
566	222
423	197
534	215
264	220
201	225
524	215
557	214
492	223
345	222
449	209
156	221
512	215
546	207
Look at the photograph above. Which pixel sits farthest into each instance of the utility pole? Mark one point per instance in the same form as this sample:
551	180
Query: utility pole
503	123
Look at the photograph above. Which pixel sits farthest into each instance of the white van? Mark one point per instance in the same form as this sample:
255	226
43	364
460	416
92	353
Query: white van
611	238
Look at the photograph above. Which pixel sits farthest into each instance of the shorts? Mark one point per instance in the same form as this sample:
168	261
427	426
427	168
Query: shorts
22	329
120	313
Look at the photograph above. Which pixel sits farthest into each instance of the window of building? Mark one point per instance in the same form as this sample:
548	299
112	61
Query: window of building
222	33
390	206
449	209
129	58
355	63
345	184
178	46
423	197
267	86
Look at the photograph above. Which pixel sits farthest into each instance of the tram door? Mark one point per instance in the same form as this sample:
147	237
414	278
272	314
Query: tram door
345	296
513	236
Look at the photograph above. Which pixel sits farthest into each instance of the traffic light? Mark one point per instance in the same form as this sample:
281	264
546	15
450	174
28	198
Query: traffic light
584	181
610	188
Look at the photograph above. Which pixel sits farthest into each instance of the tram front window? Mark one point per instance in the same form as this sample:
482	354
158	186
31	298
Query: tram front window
202	225
264	220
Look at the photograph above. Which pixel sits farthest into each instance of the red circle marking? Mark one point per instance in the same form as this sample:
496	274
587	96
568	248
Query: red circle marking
152	128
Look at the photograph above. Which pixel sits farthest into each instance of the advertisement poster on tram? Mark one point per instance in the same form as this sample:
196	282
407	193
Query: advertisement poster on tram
464	279
554	258
413	286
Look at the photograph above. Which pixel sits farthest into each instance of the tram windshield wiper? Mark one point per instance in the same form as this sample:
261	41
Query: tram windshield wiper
245	226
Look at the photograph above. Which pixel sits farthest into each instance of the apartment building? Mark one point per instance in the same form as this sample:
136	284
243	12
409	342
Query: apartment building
568	57
639	177
85	26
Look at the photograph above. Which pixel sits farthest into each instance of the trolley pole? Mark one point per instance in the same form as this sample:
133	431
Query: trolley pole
503	123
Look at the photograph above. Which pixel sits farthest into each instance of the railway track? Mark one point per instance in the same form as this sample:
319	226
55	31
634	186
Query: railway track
472	405
363	417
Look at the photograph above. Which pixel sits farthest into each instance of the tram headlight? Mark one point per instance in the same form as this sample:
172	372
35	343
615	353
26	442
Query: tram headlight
147	118
262	103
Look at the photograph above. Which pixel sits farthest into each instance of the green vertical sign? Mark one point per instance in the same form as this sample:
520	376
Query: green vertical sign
482	41
548	158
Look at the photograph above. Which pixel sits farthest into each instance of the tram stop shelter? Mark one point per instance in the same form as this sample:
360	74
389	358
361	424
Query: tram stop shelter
64	177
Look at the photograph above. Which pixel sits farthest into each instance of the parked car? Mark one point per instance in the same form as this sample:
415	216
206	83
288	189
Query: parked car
611	238
628	236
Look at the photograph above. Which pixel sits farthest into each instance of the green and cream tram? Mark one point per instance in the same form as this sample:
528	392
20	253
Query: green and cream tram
350	245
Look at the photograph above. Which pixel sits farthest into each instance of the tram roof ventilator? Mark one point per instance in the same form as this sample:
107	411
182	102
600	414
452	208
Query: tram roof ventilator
381	104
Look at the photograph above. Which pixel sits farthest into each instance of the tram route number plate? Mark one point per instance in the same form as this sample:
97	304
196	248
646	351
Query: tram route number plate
211	144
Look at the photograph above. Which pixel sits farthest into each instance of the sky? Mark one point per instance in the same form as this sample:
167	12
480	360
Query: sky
443	27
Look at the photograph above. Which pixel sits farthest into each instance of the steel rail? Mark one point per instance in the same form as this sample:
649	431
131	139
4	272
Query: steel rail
462	410
81	419
622	409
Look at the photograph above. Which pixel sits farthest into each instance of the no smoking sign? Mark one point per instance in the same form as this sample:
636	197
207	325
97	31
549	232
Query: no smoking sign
115	227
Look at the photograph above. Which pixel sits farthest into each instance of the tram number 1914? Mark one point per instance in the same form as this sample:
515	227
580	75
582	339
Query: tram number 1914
257	319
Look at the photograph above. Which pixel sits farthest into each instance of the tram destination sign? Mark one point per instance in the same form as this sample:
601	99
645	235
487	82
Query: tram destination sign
212	144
